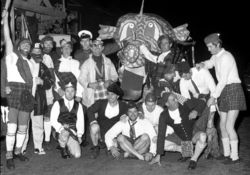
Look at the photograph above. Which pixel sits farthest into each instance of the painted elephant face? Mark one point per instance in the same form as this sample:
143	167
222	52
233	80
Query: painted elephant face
140	29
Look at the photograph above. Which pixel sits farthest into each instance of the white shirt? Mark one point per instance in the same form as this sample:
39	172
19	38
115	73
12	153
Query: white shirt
153	58
153	118
112	111
203	80
13	74
47	60
175	115
142	126
70	65
225	69
34	72
54	114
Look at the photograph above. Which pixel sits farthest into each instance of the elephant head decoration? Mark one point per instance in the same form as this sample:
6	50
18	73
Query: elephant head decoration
132	30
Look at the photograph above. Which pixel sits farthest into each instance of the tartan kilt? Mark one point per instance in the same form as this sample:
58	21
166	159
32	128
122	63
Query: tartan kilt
232	98
100	92
14	98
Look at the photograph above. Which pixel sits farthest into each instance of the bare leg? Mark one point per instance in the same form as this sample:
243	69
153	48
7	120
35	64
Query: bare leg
200	145
231	119
224	134
142	144
74	147
94	133
127	147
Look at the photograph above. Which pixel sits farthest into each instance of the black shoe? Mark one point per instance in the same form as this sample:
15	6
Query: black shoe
64	153
58	147
10	164
21	157
183	159
209	157
47	146
192	165
230	161
84	143
95	152
102	145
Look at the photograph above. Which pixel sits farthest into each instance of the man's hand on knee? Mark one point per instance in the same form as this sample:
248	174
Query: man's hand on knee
115	152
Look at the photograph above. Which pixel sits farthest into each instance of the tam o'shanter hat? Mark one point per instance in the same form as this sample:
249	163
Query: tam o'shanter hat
115	89
212	38
183	67
36	48
70	84
85	34
97	41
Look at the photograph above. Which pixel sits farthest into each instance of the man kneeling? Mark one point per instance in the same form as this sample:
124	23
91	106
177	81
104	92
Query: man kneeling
133	135
67	119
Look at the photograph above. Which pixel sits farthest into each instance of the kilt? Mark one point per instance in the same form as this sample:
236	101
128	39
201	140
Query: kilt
100	92
14	98
232	98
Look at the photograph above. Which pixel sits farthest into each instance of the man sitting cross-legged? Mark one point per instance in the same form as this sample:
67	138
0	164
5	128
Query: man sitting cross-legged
181	119
67	118
133	135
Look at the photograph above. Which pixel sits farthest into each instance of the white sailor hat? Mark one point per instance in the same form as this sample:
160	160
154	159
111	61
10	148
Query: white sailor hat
85	34
69	85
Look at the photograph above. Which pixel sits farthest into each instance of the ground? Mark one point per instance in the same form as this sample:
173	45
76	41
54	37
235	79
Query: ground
52	163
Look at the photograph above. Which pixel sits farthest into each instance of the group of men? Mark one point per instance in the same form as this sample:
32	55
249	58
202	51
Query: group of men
60	91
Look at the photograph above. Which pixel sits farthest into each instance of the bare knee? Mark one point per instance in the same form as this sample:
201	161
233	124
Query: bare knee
77	155
145	137
94	128
22	128
121	138
203	137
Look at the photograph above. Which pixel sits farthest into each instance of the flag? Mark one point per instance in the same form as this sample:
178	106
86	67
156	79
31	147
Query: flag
24	28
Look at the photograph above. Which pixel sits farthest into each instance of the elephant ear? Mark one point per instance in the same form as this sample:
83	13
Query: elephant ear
106	32
181	32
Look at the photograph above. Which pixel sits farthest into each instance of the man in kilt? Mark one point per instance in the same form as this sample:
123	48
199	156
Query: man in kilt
18	90
228	92
67	118
182	119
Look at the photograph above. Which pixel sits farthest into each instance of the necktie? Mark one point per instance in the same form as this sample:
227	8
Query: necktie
69	105
195	87
132	129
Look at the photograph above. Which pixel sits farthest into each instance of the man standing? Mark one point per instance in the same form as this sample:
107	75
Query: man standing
134	136
18	90
228	92
83	53
67	118
97	73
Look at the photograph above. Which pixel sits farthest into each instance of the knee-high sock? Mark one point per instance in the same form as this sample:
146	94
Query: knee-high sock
47	130
234	149
10	139
199	147
19	141
226	146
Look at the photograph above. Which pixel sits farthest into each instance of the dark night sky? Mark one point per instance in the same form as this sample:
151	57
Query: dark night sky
205	17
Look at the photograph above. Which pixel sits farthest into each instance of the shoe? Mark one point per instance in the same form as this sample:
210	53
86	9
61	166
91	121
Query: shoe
58	147
39	152
231	162
102	145
221	157
47	146
21	157
64	153
24	152
10	164
95	152
84	143
192	165
183	159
